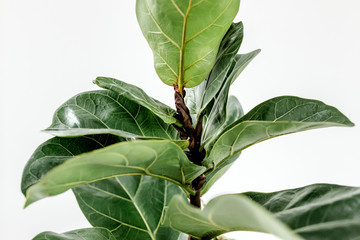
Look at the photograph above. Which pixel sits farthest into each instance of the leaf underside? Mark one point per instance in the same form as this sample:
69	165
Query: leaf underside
162	159
80	234
224	214
275	117
316	212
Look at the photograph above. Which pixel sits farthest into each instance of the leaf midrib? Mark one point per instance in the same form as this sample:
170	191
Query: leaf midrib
138	209
180	81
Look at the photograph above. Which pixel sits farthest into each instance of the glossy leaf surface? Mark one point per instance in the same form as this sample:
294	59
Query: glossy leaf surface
57	150
138	95
101	201
316	212
162	159
199	97
105	111
275	117
80	234
224	214
131	207
185	36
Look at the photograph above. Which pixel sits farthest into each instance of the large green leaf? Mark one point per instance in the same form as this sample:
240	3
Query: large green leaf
162	159
80	234
224	214
95	199
57	150
185	36
316	212
105	111
131	207
138	95
199	97
275	117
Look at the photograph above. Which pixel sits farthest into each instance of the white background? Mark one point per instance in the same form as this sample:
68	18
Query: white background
51	50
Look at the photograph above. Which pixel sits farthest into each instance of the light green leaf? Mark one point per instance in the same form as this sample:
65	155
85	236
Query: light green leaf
316	212
108	112
162	159
198	98
56	151
131	207
138	95
103	201
224	214
275	117
185	36
80	234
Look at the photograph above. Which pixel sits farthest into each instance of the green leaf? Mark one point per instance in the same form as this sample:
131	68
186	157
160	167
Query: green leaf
224	214
219	114
316	212
57	150
275	117
80	234
95	199
199	97
132	207
162	159
217	173
108	112
185	36
137	95
240	62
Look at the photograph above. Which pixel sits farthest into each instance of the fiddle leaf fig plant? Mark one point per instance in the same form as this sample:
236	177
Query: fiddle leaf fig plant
138	168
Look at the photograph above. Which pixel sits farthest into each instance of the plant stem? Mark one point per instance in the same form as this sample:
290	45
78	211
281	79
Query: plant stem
188	132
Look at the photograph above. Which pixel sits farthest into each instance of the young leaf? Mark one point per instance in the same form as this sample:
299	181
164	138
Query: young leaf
80	234
56	151
131	207
275	117
162	159
185	36
138	95
316	212
218	115
108	112
224	214
199	97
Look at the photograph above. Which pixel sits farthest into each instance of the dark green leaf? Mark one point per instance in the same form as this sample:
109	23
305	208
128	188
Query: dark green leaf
224	214
137	95
275	117
80	234
219	114
185	36
108	112
316	212
56	150
131	207
162	159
